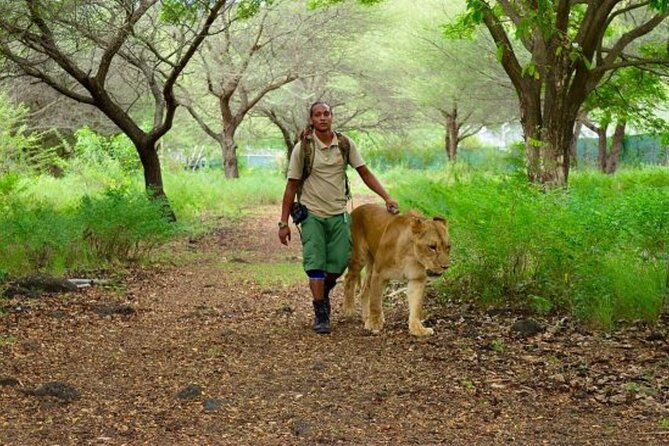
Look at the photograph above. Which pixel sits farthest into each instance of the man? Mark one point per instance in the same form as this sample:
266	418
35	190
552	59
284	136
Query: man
326	233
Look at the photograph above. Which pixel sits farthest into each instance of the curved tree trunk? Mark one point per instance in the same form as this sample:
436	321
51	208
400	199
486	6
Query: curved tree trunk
153	178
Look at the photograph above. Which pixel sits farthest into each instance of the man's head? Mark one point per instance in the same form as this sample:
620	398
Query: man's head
320	116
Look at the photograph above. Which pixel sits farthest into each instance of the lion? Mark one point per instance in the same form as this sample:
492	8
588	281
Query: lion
407	246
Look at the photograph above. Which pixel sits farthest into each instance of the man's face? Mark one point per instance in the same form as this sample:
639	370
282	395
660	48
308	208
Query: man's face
321	118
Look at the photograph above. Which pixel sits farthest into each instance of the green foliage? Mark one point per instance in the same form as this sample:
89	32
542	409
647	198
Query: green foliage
660	5
17	146
325	3
630	95
248	8
96	216
178	12
462	27
599	250
115	153
118	225
199	195
123	225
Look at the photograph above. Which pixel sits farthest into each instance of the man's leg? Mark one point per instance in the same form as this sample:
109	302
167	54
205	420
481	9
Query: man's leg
329	283
321	307
313	249
338	250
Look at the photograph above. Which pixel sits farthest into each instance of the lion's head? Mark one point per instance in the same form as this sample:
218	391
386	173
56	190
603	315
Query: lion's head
431	244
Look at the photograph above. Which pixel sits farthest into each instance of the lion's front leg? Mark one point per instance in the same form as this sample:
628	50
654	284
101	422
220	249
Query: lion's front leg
373	302
415	293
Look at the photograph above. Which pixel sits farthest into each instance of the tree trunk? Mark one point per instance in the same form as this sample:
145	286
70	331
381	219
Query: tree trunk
616	145
453	138
153	178
555	155
229	147
573	152
452	135
602	147
531	122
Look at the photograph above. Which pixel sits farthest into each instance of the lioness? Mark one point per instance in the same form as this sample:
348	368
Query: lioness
407	246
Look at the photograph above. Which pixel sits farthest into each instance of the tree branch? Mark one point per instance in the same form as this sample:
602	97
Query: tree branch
628	37
115	44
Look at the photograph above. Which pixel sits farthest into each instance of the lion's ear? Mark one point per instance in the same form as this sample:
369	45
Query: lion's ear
417	225
441	220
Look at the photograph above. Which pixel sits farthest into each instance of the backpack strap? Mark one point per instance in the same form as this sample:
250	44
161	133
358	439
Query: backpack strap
307	148
345	149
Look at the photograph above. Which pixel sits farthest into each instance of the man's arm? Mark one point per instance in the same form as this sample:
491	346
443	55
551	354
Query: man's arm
286	203
375	185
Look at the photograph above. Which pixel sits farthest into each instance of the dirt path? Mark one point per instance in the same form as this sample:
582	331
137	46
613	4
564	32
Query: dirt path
211	356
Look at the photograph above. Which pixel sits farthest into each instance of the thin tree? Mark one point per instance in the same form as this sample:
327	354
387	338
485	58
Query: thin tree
76	47
252	58
630	96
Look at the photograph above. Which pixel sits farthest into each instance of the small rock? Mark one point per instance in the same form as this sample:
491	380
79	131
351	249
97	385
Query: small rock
58	389
14	290
527	328
655	336
113	308
47	284
301	428
319	366
9	382
212	404
189	392
58	314
286	310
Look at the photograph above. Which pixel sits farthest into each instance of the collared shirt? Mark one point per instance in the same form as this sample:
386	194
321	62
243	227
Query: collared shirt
324	191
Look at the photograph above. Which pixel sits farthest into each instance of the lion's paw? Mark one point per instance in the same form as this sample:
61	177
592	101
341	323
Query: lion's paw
349	313
421	331
374	326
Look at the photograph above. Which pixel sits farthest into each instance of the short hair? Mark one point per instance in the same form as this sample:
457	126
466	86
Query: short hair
311	109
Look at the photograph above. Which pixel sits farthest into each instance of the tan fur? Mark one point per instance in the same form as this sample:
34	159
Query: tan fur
408	247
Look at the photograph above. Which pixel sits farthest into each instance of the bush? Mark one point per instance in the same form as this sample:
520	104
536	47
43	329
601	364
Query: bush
116	226
599	250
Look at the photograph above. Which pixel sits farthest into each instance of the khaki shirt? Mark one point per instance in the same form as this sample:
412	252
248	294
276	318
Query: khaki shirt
324	191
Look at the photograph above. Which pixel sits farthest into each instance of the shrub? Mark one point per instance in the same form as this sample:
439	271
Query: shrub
599	250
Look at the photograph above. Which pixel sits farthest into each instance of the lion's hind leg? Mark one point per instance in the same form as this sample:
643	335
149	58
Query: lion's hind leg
353	280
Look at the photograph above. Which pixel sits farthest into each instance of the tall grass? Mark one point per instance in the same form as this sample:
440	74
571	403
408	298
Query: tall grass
599	250
98	213
89	220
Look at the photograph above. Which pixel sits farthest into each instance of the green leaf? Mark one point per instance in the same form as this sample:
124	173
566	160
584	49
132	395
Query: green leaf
499	53
462	28
248	8
660	5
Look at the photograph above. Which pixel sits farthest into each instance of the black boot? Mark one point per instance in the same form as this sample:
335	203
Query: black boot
322	323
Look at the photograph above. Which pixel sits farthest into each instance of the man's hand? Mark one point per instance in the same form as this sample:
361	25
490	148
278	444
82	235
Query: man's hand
284	235
392	206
